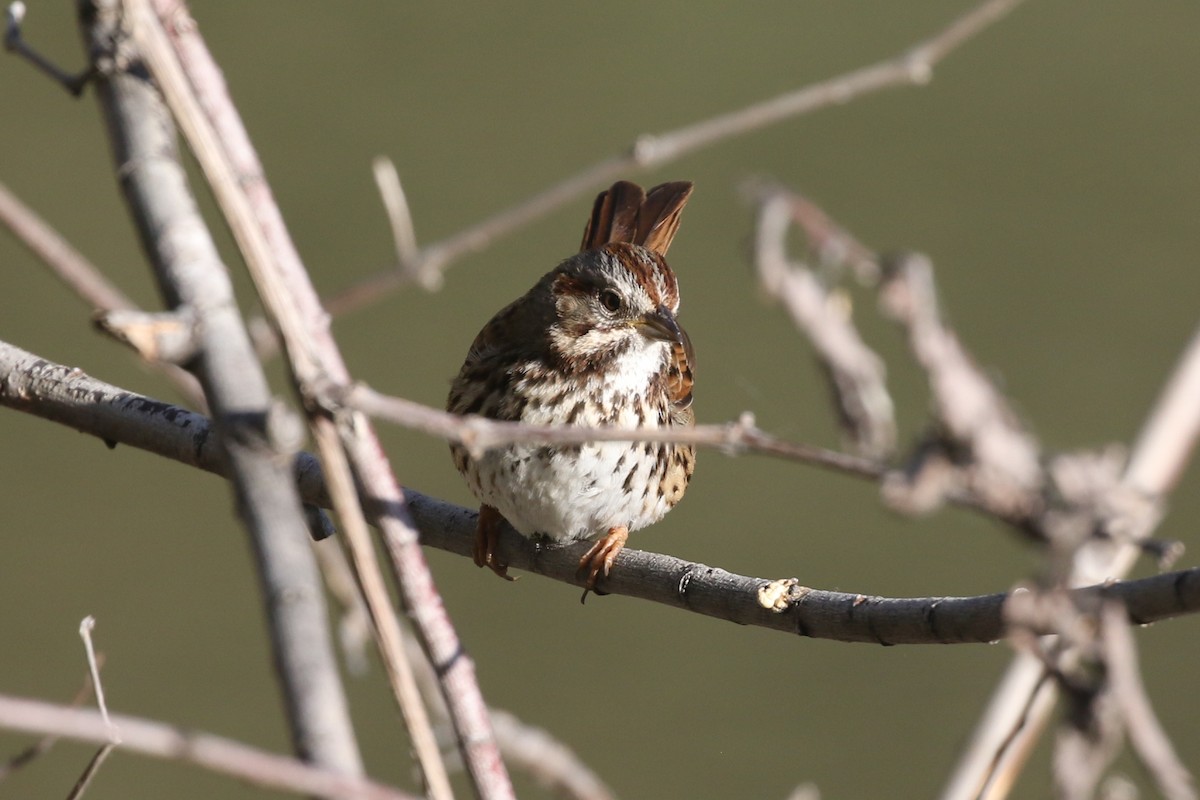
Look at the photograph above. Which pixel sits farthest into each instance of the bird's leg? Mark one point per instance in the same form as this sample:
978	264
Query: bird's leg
599	559
487	534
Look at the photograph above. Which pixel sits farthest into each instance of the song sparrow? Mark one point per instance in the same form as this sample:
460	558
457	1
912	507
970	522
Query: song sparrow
594	342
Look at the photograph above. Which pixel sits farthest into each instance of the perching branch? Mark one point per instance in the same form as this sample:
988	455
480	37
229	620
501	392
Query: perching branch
69	397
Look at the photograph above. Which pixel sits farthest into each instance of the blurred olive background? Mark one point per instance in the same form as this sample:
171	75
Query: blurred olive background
1051	170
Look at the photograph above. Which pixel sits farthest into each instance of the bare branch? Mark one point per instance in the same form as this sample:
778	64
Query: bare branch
1171	429
404	235
114	734
205	750
857	376
1004	469
51	391
199	100
83	278
912	68
158	337
246	419
14	42
47	742
1145	732
481	434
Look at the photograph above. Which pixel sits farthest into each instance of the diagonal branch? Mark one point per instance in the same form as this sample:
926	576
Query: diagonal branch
216	753
81	276
914	67
247	420
199	100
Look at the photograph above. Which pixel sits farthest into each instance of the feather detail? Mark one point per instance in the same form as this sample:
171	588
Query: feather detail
624	213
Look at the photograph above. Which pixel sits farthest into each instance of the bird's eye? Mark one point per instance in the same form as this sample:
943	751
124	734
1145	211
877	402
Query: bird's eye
610	300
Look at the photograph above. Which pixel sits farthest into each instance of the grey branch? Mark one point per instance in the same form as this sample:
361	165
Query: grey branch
199	99
193	280
69	397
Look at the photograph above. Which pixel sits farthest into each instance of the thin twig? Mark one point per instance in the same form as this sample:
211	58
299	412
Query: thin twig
357	539
480	434
354	624
914	67
114	734
857	376
1005	468
46	743
14	42
215	753
404	235
1146	734
85	633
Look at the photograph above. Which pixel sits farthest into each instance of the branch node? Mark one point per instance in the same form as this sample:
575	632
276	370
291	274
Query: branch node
14	42
779	595
285	430
648	150
918	67
413	265
161	337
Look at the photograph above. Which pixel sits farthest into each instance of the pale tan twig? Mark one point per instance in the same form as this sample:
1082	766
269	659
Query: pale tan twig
1165	444
114	734
357	539
1005	467
354	626
1146	734
911	68
831	245
479	434
404	234
159	740
200	102
82	277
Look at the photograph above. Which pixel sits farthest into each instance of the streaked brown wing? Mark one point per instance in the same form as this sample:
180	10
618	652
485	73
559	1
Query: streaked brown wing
681	377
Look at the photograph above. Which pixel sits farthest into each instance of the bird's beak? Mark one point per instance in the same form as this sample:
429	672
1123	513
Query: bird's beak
660	324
